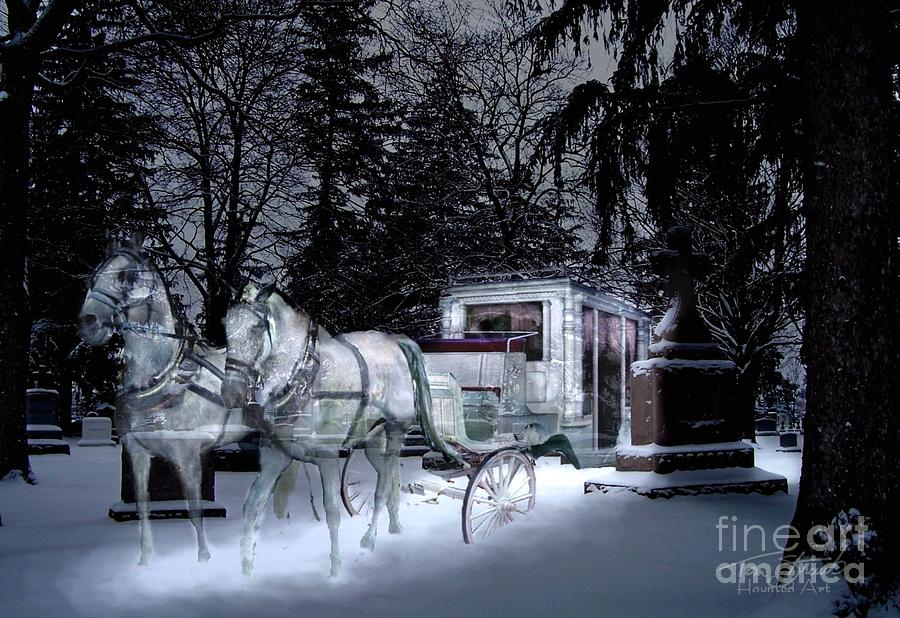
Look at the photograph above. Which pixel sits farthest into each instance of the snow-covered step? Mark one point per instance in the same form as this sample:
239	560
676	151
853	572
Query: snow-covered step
44	431
47	446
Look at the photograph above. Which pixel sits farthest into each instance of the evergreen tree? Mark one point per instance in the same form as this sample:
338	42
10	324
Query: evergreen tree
93	146
345	123
429	220
841	60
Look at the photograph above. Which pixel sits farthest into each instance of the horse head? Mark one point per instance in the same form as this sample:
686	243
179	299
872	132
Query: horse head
121	282
249	339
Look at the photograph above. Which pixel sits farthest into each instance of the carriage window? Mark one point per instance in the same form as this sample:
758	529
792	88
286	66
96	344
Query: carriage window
505	317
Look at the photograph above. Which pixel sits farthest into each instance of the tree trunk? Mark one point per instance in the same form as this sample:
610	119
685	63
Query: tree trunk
851	428
17	76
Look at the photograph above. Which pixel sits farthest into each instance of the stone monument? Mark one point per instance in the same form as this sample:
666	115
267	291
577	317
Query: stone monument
167	499
45	436
685	438
96	431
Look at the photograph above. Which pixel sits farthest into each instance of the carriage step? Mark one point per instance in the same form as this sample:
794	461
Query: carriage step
413	450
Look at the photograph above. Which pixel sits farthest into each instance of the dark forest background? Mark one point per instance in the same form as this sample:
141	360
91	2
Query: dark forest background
361	154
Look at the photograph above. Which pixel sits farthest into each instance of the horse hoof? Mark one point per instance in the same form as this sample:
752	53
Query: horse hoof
247	568
203	556
395	528
335	569
143	562
367	542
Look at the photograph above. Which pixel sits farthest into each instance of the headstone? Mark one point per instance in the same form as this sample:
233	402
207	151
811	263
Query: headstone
165	491
766	427
40	406
96	431
683	400
787	440
42	428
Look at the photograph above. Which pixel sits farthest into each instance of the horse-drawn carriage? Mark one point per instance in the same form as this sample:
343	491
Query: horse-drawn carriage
485	407
478	405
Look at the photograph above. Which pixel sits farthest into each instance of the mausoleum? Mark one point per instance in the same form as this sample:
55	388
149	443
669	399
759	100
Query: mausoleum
579	343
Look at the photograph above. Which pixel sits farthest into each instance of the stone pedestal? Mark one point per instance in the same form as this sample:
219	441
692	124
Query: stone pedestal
683	401
167	500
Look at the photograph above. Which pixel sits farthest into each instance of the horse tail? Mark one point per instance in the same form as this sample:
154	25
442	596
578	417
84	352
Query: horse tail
423	402
283	488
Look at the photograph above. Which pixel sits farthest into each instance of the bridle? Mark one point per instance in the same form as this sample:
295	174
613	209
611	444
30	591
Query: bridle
248	371
119	323
117	301
302	374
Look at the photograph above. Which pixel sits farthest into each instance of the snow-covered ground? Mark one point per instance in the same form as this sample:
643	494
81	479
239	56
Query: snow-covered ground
576	555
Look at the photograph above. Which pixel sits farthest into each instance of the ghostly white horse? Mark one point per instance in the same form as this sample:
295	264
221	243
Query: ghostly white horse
317	396
169	404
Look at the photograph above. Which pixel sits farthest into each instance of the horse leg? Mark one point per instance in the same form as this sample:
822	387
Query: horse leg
376	453
272	462
395	442
283	489
191	472
140	469
330	470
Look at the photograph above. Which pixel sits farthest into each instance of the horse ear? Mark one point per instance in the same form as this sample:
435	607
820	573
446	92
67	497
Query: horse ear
266	292
138	239
110	243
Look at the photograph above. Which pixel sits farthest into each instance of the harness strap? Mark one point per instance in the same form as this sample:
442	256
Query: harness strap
203	362
303	374
105	298
208	395
363	394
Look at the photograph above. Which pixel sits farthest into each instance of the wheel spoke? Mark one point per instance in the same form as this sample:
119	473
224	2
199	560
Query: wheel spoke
514	469
489	490
481	524
482	514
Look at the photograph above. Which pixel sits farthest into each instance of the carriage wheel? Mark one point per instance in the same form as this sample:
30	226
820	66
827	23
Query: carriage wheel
500	492
358	480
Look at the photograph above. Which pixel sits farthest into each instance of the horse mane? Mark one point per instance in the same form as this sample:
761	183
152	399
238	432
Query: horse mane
266	291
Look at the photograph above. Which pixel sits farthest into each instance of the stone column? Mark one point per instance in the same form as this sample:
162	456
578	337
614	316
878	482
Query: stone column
577	366
446	305
457	320
568	335
546	327
643	339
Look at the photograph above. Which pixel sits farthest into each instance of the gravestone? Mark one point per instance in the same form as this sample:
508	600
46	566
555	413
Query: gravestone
684	434
96	431
166	494
766	427
42	422
789	442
